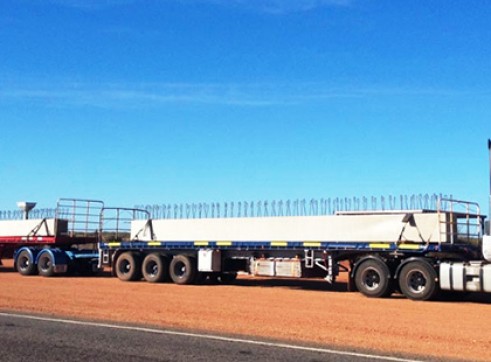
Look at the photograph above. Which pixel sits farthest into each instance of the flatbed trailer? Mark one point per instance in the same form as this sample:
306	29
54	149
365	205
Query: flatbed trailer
416	252
65	242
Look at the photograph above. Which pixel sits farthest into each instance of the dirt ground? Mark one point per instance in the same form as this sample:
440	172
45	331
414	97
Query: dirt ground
296	311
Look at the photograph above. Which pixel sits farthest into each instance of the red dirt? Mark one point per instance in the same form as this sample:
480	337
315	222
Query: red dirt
296	311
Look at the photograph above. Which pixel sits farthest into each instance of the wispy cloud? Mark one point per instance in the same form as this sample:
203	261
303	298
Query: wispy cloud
90	4
113	95
277	6
265	6
140	95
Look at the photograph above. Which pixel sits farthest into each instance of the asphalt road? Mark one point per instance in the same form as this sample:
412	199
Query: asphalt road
35	338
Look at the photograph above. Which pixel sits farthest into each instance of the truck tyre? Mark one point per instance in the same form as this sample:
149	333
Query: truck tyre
46	265
183	269
25	263
417	281
155	268
372	279
128	267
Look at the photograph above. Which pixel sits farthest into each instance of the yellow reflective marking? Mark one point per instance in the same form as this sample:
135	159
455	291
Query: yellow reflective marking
201	243
111	245
224	243
410	246
312	243
380	246
154	243
279	243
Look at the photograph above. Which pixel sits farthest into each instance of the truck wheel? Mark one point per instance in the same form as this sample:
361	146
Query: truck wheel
417	281
183	269
155	268
45	265
372	279
25	264
128	267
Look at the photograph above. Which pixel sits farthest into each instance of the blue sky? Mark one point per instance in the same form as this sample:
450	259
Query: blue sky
153	101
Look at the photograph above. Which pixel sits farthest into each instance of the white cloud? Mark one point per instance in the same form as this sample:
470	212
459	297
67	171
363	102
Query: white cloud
140	95
112	95
280	6
89	4
155	94
266	6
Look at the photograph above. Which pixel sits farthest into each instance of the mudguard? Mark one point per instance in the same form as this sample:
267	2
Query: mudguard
59	257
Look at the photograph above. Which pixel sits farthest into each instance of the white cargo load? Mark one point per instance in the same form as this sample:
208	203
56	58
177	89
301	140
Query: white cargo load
381	227
32	227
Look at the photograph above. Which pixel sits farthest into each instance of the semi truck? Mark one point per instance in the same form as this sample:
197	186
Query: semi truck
419	252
